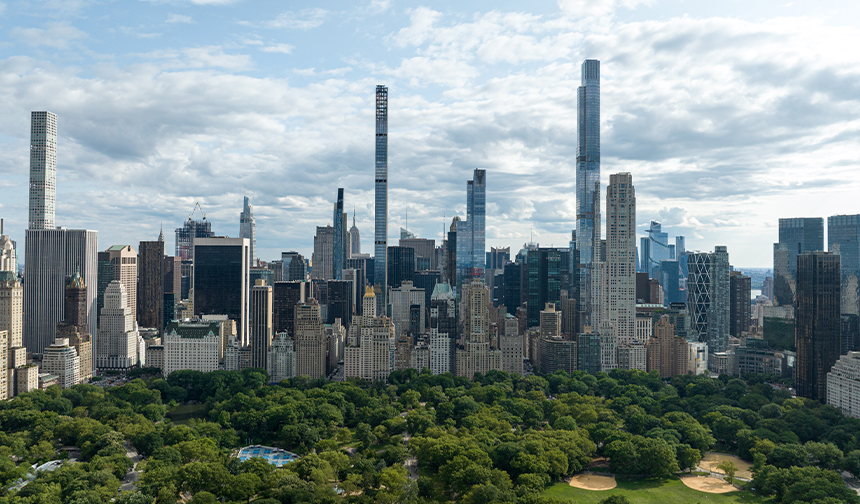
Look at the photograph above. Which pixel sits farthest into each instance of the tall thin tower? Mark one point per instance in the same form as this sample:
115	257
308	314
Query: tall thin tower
619	301
339	255
380	237
248	228
588	180
43	169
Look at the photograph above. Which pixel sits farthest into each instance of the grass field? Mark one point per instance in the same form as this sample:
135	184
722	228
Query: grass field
657	491
185	412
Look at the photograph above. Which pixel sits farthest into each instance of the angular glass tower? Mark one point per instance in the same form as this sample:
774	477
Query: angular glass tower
248	228
339	253
588	177
380	235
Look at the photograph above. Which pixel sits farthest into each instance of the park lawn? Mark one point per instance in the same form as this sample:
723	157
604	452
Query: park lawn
657	491
181	414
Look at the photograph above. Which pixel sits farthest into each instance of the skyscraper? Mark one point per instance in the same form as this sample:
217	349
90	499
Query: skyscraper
261	323
354	238
620	292
150	285
74	325
221	280
588	183
443	329
843	238
117	345
43	169
476	355
796	236
740	286
309	341
286	296
52	255
248	229
118	262
816	321
295	267
8	252
401	266
380	235
340	248
471	233
708	297
323	256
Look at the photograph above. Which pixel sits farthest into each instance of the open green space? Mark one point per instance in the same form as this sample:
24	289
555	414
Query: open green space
657	491
185	412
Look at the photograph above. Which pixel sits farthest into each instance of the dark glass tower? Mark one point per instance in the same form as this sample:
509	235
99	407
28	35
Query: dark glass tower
150	284
286	296
796	236
817	321
401	265
339	254
740	286
588	178
380	236
221	280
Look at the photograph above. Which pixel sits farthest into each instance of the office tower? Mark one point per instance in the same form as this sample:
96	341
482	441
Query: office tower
11	323
402	299
708	297
449	266
248	229
796	236
150	286
513	273
443	329
172	287
550	322
354	238
118	262
817	321
310	341
588	180
547	268
425	252
471	233
340	301
667	354
52	255
117	344
654	248
261	323
401	266
195	346
323	256
740	301
843	385
670	282
43	169
74	326
476	355
371	350
620	292
62	360
221	280
340	242
295	267
843	238
282	359
8	252
497	257
380	235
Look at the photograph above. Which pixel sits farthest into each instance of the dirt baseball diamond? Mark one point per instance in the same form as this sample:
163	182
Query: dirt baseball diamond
593	482
707	484
712	460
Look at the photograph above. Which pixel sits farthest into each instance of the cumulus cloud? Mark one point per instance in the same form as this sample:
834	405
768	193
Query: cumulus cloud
305	19
57	35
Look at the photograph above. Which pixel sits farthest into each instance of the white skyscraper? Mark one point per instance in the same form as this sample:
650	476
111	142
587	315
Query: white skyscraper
118	337
248	229
619	296
43	169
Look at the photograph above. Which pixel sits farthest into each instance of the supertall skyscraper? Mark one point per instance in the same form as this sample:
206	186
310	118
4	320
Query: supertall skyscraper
471	233
43	169
248	228
380	236
816	321
588	180
620	292
340	252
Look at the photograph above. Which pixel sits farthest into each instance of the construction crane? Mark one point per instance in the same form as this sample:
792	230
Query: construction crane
196	206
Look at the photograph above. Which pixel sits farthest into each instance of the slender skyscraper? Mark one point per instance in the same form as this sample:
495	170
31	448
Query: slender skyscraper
43	169
476	216
354	238
816	321
588	178
248	229
620	293
339	253
380	236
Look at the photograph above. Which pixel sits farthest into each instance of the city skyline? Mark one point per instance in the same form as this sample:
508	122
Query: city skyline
501	111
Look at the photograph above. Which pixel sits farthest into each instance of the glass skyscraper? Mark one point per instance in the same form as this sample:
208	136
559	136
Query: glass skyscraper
471	233
588	177
380	236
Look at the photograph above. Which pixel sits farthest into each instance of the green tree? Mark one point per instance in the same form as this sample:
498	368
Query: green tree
729	469
615	499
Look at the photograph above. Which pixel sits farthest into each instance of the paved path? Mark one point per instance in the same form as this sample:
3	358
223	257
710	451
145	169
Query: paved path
129	482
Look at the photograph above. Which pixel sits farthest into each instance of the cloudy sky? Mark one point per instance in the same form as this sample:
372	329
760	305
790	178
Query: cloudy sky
728	114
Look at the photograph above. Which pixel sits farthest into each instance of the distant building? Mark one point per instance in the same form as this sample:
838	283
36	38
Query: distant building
740	301
222	280
74	326
443	330
550	322
708	297
401	266
667	354
556	354
402	300
309	340
194	346
118	262
286	296
261	324
619	301
295	267
150	286
843	385
633	355
371	346
511	343
155	357
323	256
248	229
476	354
117	343
796	235
697	358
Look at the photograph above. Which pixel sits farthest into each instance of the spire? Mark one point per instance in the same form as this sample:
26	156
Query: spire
161	233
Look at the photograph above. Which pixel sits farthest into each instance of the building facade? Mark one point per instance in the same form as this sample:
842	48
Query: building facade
43	169
310	340
380	234
619	302
843	385
282	359
817	321
248	229
588	185
118	344
261	324
150	285
221	280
